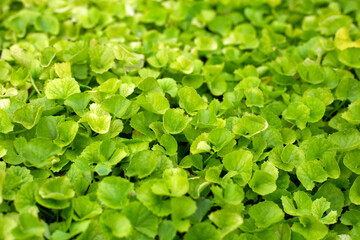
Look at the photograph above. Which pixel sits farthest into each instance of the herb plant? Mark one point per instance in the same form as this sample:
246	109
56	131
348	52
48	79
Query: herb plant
195	120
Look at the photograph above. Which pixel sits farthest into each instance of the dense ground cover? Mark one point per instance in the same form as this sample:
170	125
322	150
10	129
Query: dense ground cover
195	120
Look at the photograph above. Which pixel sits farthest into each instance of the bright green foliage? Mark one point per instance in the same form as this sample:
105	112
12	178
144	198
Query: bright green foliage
28	115
61	88
239	164
175	121
190	100
55	193
66	132
5	123
249	126
143	163
115	224
310	228
262	183
202	231
355	192
98	119
171	120
114	192
101	58
265	214
39	151
227	220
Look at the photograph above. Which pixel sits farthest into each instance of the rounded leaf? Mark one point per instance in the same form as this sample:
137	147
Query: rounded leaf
350	57
114	192
61	88
250	125
355	191
202	231
265	214
175	121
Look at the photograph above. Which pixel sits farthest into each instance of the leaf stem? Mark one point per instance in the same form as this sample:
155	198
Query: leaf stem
34	85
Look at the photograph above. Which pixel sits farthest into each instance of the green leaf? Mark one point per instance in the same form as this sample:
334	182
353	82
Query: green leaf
355	192
319	207
310	228
142	219
297	113
317	108
183	64
239	161
265	214
169	86
262	183
202	231
169	143
350	57
125	55
15	177
116	105
182	208
250	125
20	76
47	56
116	224
61	88
176	181
193	80
25	197
47	126
205	119
18	24
38	152
29	226
310	172
190	100
284	65
333	195
254	97
204	43
85	208
143	163
232	194
63	70
47	23
153	202
348	88
227	220
303	204
352	115
114	192
219	138
66	132
142	122
352	161
101	58
200	144
5	124
28	115
76	52
323	94
345	140
59	188
166	230
78	102
310	72
98	119
175	121
154	103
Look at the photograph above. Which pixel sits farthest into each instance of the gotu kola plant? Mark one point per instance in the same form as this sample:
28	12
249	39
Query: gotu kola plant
195	120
